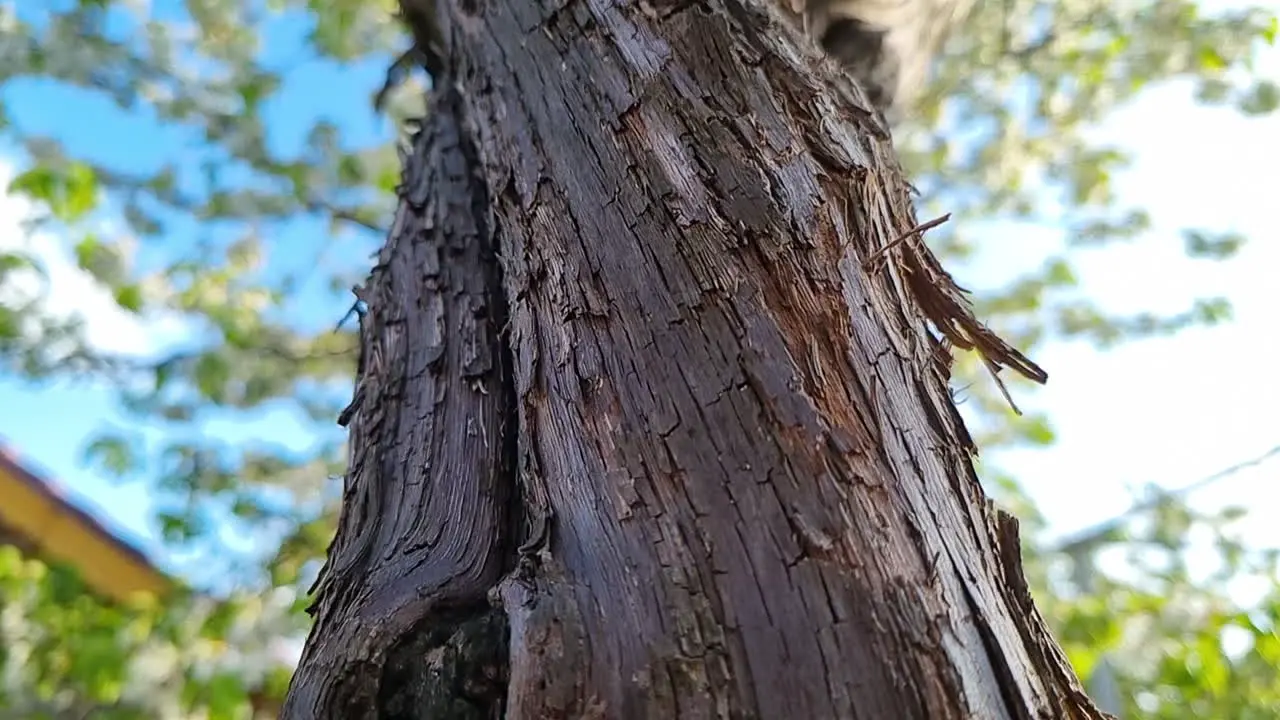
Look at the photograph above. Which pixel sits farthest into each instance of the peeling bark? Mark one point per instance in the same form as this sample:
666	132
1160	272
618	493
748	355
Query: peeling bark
640	431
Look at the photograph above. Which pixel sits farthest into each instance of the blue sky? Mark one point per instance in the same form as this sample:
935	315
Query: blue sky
1165	411
49	424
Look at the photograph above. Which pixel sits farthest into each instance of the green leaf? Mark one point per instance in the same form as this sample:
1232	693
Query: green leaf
212	372
70	192
112	453
129	297
1205	245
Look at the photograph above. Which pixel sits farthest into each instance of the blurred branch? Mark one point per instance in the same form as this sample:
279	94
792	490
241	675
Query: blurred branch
320	206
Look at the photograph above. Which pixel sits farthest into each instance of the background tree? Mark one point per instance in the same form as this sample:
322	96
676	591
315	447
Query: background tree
234	273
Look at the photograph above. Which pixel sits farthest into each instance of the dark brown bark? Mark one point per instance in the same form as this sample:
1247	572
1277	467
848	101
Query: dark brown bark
641	430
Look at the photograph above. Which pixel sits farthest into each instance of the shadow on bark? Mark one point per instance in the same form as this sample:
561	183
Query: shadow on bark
639	430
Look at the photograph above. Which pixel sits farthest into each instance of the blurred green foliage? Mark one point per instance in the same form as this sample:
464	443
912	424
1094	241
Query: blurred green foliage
68	654
1025	80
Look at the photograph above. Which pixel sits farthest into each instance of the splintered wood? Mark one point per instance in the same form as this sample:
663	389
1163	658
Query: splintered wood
947	307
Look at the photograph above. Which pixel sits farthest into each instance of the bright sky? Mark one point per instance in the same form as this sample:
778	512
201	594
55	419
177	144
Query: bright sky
1167	411
1175	410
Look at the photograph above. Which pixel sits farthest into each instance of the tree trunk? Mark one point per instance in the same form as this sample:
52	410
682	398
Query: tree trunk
648	422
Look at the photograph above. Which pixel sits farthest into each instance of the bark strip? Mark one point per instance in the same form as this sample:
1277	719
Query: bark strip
426	526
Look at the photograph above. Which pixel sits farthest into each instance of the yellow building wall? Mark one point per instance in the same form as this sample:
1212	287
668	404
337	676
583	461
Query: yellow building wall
34	511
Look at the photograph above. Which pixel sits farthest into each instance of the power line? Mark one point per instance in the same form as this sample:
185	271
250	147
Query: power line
1092	534
1101	683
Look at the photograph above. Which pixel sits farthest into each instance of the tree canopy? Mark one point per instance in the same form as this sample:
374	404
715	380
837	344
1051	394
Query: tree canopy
222	190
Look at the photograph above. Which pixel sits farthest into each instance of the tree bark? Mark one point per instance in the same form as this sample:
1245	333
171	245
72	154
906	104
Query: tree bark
649	423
